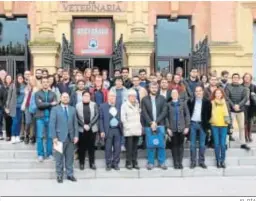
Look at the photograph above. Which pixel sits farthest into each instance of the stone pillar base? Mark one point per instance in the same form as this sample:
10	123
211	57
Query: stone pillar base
139	54
45	55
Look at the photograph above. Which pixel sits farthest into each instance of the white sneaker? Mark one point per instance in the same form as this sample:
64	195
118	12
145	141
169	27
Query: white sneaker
13	140
40	159
17	139
123	148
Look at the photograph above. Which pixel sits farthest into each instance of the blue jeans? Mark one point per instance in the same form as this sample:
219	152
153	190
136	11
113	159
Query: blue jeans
161	155
219	137
42	126
16	123
194	128
1	121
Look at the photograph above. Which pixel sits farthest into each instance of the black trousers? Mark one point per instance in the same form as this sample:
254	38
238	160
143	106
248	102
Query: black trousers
177	147
131	145
86	143
8	125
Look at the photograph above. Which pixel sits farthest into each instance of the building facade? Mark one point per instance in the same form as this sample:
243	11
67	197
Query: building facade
150	35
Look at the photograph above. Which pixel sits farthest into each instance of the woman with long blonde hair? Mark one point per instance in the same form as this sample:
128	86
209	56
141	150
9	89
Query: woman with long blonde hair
88	78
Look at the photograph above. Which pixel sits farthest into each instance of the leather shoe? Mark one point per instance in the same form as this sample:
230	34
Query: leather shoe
116	168
129	167
180	166
218	165
192	165
244	146
223	165
108	168
71	178
59	179
93	167
81	166
202	165
231	138
136	166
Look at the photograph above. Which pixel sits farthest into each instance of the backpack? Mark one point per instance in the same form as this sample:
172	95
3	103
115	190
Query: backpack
32	106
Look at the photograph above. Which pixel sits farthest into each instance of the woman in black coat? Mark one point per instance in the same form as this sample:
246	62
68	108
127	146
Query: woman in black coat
178	120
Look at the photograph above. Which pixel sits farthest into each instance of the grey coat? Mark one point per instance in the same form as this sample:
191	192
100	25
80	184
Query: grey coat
11	100
59	127
94	116
236	94
183	120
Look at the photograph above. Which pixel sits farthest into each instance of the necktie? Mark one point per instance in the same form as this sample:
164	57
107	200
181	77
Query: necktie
138	94
66	112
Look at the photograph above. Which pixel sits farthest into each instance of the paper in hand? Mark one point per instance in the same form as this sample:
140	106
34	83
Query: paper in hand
58	147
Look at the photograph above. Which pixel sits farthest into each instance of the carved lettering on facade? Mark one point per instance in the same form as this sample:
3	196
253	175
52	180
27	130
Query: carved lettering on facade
92	6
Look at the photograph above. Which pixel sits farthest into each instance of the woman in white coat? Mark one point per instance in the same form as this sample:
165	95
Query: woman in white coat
130	117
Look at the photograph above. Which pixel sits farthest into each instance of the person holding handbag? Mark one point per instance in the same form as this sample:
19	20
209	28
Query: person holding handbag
178	121
249	106
220	119
154	109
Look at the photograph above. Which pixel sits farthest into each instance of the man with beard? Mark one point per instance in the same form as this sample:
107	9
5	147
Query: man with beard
38	78
144	82
45	73
126	79
95	71
154	110
164	91
64	85
60	73
224	79
192	82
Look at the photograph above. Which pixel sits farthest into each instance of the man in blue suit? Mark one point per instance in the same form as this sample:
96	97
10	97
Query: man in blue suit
64	128
111	130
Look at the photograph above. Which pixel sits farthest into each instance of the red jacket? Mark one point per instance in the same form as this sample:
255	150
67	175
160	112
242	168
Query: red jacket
104	91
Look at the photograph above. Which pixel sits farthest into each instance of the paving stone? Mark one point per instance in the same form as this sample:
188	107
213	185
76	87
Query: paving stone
3	175
85	174
122	173
42	174
247	161
157	172
199	172
240	171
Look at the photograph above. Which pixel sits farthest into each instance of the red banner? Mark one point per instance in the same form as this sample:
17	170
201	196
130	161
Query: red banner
93	37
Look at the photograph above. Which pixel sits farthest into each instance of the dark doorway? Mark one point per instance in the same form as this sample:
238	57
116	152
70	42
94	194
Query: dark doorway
183	63
102	63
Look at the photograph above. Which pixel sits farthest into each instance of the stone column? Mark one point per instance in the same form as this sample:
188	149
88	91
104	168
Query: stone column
139	47
44	49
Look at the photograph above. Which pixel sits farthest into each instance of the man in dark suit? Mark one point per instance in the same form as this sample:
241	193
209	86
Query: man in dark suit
164	91
154	110
64	129
200	112
111	130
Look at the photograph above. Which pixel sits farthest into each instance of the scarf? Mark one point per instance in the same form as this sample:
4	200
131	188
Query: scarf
220	103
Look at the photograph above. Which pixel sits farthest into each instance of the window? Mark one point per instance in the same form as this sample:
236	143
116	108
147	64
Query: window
173	37
13	30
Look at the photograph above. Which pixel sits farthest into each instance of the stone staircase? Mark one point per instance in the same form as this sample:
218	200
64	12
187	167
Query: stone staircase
19	162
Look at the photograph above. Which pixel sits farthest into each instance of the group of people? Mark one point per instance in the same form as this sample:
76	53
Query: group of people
87	110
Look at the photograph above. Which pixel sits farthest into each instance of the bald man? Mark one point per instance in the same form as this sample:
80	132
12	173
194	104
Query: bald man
111	130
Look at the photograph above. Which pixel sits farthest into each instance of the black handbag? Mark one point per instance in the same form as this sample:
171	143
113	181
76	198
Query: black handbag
252	95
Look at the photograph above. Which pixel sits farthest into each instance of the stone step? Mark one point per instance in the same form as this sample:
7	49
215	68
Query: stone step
18	174
100	163
31	154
